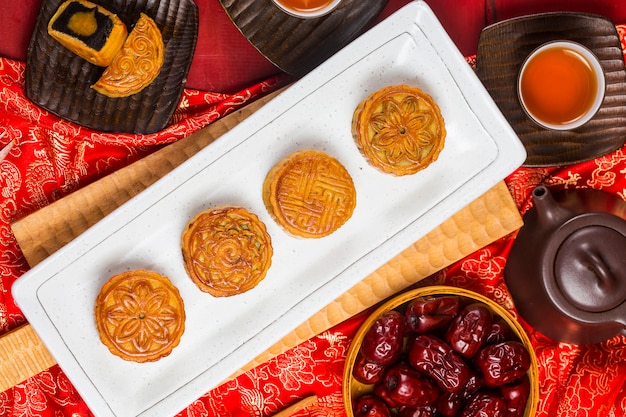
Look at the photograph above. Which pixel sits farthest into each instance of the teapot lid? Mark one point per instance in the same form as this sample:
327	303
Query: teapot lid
589	263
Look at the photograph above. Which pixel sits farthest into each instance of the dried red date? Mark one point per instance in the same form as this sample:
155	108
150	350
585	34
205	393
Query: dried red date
484	404
417	412
366	371
402	385
502	363
499	332
462	362
516	395
468	331
428	313
449	404
435	358
383	340
371	406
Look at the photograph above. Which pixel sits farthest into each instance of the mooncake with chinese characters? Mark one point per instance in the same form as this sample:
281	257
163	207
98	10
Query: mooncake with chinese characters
399	129
140	315
310	194
89	30
226	250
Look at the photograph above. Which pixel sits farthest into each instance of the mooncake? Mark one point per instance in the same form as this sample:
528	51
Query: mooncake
140	315
399	129
226	250
310	194
137	64
89	30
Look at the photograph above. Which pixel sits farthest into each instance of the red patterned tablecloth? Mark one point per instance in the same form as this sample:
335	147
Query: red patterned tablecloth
50	158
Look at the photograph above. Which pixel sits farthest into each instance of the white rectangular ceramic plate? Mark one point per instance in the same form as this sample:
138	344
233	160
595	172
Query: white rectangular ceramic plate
221	335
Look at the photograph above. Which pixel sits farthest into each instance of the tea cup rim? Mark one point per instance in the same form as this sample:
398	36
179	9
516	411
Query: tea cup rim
599	71
332	5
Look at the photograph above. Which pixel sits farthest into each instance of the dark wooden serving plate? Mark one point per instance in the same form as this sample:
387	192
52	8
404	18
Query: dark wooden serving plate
297	45
502	49
60	81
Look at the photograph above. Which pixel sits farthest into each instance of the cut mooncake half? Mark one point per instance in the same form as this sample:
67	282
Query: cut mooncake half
137	64
89	30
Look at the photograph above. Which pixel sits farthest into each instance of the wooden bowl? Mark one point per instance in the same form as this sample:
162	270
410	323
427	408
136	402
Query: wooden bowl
353	389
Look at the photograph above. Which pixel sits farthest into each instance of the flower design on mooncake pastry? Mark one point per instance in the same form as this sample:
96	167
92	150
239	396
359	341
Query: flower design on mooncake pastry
399	129
402	130
140	315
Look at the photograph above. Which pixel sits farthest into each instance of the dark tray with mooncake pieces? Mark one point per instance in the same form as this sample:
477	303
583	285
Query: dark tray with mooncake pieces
60	81
297	45
503	47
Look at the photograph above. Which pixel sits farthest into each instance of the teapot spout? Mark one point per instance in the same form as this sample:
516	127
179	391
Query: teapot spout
549	213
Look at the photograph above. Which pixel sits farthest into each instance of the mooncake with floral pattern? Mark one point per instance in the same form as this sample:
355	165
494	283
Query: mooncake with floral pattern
140	315
399	129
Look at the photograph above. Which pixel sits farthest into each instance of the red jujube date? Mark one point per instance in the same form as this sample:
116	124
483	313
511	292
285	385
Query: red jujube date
468	331
371	406
516	395
484	404
428	313
502	363
427	411
435	358
366	371
449	404
402	385
499	332
383	340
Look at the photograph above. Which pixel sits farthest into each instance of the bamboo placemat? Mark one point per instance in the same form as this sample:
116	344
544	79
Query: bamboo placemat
23	354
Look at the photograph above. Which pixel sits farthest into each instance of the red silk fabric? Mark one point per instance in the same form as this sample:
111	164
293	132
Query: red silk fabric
50	158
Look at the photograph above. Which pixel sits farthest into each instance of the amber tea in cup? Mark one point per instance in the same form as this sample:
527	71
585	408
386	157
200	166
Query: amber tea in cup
561	85
307	8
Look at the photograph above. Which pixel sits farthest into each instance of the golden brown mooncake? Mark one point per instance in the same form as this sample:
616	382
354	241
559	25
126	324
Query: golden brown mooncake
310	194
137	64
140	315
226	250
399	129
89	30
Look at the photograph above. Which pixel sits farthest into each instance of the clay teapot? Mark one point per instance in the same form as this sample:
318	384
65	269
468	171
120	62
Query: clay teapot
567	267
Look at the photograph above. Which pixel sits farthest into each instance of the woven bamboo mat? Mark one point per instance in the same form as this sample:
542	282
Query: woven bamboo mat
23	354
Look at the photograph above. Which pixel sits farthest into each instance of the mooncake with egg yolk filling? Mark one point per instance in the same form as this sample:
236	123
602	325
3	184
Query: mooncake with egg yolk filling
88	30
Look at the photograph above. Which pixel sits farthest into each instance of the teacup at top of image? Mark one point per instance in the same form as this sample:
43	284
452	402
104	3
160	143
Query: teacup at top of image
561	85
307	9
